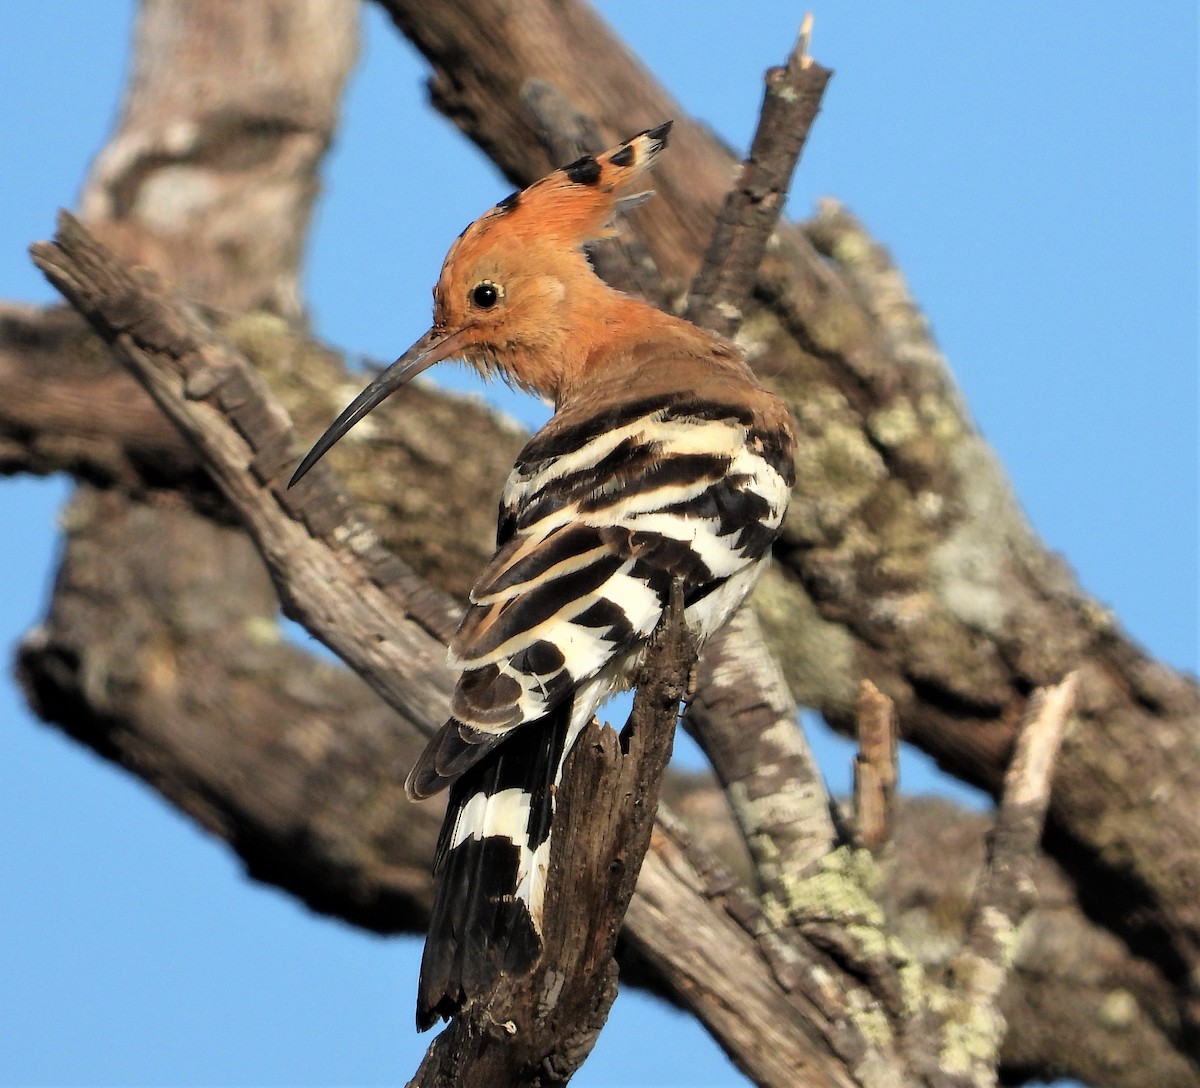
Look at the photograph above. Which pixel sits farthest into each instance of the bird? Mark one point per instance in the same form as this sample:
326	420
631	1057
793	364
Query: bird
665	462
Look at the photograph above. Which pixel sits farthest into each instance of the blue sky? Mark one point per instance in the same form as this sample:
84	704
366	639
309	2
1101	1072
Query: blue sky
1033	169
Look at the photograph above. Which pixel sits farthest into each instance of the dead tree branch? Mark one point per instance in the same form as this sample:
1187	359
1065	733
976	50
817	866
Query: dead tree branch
971	1028
853	352
348	589
211	392
875	770
744	719
721	291
959	623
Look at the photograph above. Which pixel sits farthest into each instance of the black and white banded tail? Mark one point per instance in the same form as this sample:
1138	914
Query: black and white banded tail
489	869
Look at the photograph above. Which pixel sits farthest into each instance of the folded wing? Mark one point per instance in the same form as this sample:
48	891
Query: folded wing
596	521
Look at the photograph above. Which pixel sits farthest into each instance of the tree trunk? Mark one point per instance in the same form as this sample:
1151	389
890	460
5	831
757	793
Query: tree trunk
905	558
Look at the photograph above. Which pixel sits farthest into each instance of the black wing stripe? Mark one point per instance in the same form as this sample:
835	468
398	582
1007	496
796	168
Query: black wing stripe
528	611
778	450
545	447
677	405
731	507
707	411
655	551
607	615
738	506
544	662
571	542
630	457
670	472
506	524
755	539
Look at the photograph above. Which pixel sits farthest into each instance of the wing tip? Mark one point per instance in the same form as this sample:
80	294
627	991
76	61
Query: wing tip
451	751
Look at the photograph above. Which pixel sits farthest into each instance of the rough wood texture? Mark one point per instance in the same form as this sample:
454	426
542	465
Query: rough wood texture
905	557
195	692
721	291
875	768
330	570
219	402
198	665
69	406
969	1036
210	180
773	1029
744	719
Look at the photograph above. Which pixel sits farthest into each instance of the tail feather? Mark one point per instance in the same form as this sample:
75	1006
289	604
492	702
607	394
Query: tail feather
489	868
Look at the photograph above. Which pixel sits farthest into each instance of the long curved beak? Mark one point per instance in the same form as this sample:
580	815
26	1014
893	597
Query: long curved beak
432	348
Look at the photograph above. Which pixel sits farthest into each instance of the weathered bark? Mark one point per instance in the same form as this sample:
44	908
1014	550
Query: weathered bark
1003	896
317	551
1068	1002
720	294
68	406
294	762
211	175
744	719
887	438
876	769
905	557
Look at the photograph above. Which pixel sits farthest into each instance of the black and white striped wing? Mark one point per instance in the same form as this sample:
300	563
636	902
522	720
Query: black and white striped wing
596	521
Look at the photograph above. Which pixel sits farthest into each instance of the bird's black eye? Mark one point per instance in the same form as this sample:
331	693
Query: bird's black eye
485	295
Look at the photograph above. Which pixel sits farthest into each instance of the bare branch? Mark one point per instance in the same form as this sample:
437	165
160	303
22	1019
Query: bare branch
66	406
734	969
331	571
744	718
875	768
752	208
973	1028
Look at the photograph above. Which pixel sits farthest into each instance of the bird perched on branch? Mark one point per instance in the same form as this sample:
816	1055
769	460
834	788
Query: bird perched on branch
664	459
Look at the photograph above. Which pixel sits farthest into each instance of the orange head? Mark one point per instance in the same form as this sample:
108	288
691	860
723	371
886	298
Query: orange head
516	284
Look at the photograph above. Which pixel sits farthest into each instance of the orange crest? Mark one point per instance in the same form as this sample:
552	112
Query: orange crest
577	203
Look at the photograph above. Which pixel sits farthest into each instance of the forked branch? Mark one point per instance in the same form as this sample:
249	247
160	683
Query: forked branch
199	383
342	586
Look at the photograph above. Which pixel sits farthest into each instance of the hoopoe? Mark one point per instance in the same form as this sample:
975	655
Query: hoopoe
664	459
